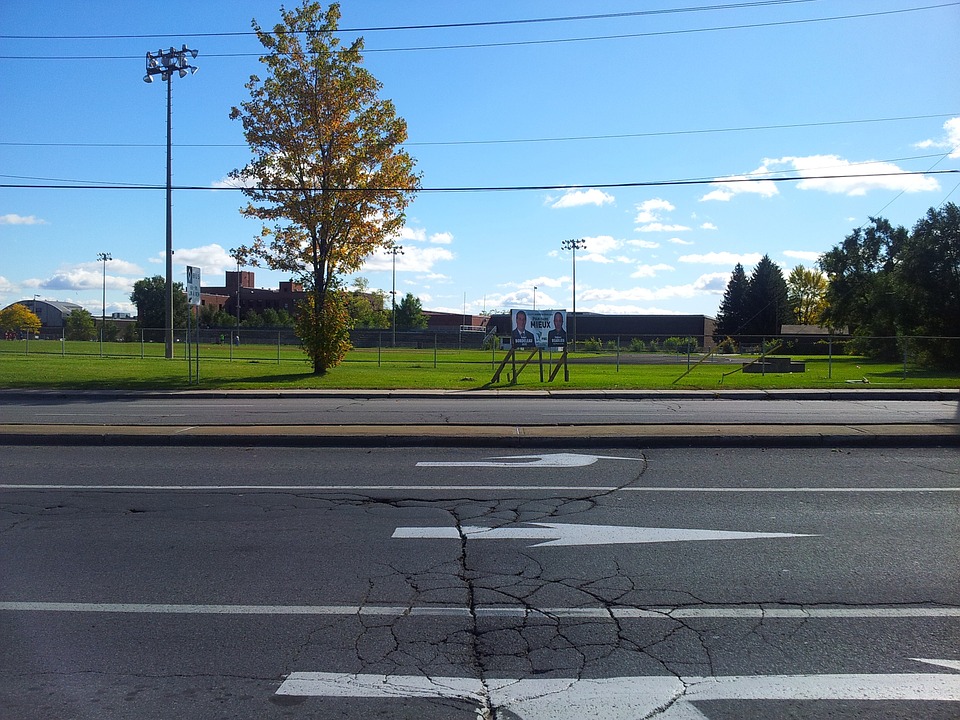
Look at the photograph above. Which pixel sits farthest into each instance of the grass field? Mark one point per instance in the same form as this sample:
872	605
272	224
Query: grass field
79	365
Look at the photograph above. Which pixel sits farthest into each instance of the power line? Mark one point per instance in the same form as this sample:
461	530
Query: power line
518	43
435	26
509	141
500	188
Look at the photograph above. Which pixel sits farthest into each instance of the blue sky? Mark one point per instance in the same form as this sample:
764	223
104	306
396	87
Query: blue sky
598	112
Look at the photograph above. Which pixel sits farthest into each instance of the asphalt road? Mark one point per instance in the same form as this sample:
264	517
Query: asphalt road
409	583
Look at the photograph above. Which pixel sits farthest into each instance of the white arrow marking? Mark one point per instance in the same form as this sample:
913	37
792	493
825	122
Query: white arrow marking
554	460
568	534
628	697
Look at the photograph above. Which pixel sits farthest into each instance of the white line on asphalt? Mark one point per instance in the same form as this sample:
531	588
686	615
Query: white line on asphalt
624	613
473	488
619	698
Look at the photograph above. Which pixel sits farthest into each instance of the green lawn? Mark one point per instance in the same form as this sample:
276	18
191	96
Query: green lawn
50	364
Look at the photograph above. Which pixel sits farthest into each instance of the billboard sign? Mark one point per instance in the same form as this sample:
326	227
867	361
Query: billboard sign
193	285
544	329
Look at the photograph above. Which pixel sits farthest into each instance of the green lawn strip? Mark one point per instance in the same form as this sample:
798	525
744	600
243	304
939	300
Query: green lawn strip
255	367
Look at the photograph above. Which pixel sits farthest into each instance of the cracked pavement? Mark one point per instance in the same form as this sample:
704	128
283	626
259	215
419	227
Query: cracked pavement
256	585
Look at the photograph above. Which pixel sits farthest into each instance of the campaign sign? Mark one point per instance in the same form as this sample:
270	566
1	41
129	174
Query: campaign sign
544	329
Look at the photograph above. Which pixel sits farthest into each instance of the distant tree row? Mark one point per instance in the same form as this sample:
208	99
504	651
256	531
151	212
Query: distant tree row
363	309
882	283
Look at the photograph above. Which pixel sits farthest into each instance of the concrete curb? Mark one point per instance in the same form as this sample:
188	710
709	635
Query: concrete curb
864	392
492	436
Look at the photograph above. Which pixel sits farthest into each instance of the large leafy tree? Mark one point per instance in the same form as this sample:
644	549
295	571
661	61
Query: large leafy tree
861	294
80	325
887	283
328	177
806	289
19	317
150	294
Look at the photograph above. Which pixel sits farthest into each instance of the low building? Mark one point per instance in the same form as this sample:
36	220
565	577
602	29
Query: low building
625	328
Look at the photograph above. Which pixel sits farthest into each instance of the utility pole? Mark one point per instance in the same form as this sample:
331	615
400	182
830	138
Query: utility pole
394	250
103	257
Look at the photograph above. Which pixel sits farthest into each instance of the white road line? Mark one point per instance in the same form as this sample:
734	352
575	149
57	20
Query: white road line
625	698
470	488
624	613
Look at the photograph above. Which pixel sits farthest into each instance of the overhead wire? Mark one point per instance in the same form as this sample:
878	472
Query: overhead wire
518	43
513	141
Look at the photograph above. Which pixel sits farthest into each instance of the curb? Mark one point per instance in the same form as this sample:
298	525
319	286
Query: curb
490	436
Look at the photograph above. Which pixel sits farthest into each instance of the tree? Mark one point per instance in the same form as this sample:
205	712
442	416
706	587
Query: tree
767	303
806	291
19	317
79	325
732	316
150	296
410	314
861	294
927	282
327	177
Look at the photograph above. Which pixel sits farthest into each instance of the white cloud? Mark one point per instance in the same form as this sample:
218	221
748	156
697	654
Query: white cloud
412	234
722	258
951	142
749	184
13	219
646	244
708	226
853	179
680	241
803	255
212	259
442	238
708	284
6	285
661	227
413	259
542	281
651	210
577	198
645	271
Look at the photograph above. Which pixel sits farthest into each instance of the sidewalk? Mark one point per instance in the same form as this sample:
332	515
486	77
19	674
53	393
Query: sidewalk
561	435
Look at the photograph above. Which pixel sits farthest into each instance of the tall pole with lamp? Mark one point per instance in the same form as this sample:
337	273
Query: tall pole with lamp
103	257
394	250
165	63
574	245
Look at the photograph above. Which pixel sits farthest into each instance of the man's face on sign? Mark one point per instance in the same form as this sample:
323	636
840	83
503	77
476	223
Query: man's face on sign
557	321
521	321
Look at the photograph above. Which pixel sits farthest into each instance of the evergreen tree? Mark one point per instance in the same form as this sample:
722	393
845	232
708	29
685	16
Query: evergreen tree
732	316
410	314
767	303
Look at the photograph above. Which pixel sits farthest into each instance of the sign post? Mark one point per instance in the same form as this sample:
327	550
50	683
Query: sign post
193	298
536	331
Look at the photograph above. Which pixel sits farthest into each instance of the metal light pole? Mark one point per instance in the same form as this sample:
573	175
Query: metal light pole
574	245
165	63
394	250
534	298
103	257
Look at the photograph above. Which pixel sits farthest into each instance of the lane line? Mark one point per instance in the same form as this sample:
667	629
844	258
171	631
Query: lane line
599	613
470	488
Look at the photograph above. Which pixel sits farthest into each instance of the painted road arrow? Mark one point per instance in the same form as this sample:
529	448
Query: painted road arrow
568	534
627	698
549	460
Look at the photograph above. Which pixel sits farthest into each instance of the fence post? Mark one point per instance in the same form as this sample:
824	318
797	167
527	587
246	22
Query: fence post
830	358
434	351
63	342
278	347
379	345
618	353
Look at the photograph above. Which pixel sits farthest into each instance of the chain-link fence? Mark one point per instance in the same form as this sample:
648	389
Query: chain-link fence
385	346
